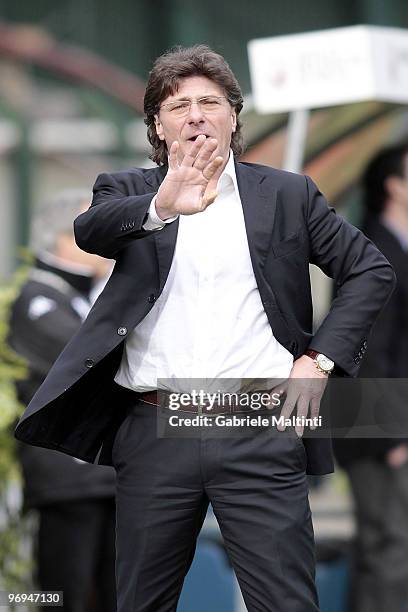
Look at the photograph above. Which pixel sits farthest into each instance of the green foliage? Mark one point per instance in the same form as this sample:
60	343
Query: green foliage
12	368
13	565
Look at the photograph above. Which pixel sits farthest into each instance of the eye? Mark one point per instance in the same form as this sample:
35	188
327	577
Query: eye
179	106
210	102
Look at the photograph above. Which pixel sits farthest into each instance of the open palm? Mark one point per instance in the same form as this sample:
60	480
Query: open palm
184	189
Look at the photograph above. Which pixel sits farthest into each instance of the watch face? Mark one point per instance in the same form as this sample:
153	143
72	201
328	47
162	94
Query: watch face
325	363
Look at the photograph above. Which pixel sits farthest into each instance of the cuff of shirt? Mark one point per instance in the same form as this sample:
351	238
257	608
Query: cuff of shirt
153	221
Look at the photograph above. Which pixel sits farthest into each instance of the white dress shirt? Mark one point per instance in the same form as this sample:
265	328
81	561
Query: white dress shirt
209	322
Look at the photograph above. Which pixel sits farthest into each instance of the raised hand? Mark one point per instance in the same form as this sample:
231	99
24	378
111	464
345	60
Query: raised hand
184	190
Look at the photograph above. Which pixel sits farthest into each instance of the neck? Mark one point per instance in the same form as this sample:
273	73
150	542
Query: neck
397	216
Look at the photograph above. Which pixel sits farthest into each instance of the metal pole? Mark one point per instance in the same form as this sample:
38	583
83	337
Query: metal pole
296	140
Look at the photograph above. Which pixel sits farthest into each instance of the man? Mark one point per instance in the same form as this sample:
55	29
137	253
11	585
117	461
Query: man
75	547
211	281
378	467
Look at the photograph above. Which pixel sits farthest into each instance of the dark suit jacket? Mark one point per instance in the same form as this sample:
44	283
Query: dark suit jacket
388	354
386	358
289	225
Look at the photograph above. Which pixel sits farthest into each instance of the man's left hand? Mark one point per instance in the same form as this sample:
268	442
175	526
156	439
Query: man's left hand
304	390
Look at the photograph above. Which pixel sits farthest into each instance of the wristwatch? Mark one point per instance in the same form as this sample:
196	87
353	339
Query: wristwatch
323	363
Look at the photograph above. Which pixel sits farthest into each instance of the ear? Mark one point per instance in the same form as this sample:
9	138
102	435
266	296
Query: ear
234	120
159	127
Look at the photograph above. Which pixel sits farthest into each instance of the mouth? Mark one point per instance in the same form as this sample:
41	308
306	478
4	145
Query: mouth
194	138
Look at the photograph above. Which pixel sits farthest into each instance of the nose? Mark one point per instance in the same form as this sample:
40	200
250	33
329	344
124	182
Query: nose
195	114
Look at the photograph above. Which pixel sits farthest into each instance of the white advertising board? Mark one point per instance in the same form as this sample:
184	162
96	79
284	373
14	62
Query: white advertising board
329	67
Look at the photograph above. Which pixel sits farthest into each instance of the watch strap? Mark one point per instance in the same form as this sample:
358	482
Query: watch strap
313	355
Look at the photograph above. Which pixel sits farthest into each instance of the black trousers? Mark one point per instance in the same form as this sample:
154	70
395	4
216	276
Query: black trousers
76	554
380	497
257	486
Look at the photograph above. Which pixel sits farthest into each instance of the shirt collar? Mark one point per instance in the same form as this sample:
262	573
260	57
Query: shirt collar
78	276
228	174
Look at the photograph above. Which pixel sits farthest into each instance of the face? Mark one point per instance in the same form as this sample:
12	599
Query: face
67	249
397	187
219	123
404	186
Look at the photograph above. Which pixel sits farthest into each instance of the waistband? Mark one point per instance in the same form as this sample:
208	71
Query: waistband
178	402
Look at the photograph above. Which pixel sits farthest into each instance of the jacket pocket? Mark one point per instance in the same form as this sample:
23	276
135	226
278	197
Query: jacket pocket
287	246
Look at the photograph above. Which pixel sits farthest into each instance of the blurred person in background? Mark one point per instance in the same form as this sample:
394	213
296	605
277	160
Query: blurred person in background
378	467
74	550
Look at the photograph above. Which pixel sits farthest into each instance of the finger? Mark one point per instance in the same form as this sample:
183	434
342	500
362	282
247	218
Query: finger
191	155
302	410
282	388
288	408
211	168
276	394
205	153
314	411
173	161
208	199
283	384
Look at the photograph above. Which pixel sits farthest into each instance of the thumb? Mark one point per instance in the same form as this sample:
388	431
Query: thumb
208	198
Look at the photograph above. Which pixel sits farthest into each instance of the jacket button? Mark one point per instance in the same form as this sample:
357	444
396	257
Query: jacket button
151	298
89	363
122	331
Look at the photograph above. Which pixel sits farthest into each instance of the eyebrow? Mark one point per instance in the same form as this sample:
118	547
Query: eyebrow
187	99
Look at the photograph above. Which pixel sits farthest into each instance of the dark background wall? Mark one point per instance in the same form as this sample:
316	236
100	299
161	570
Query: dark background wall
133	32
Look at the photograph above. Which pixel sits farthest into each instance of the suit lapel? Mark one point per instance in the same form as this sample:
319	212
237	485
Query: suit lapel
258	197
165	239
165	245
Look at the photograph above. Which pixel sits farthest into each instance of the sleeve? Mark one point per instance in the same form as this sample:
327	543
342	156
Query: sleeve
153	221
364	279
115	218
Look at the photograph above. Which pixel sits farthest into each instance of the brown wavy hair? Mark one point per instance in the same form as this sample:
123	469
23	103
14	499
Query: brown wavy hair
164	79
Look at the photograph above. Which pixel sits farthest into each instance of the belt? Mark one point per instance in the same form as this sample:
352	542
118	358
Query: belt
155	398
